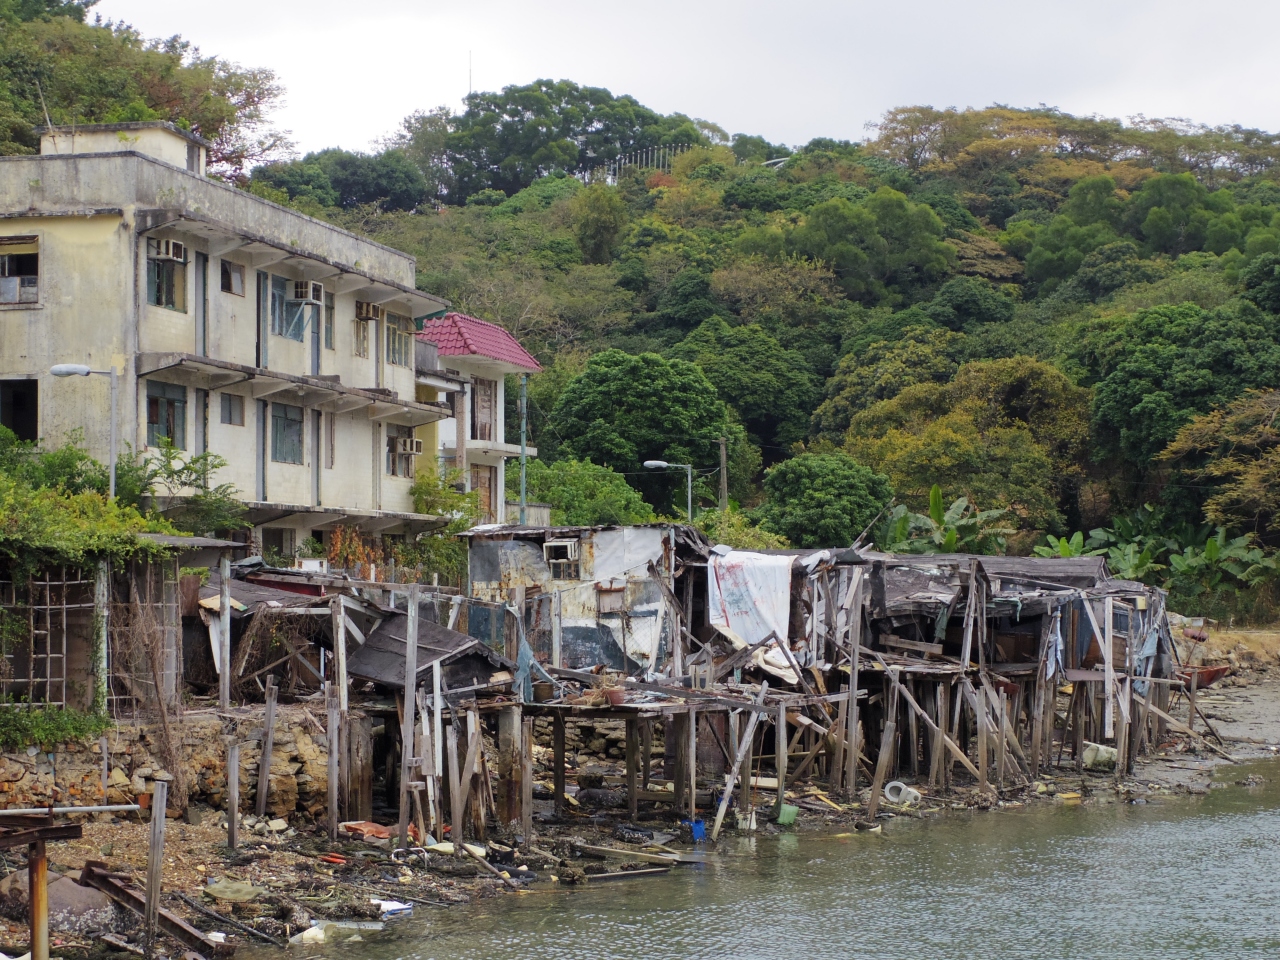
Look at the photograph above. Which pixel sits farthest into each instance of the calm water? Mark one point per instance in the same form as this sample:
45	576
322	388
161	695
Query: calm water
1178	879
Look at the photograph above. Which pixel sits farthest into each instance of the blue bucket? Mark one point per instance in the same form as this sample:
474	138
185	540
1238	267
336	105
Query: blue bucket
698	828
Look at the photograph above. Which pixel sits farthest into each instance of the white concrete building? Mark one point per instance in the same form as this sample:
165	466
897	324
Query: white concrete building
238	326
482	354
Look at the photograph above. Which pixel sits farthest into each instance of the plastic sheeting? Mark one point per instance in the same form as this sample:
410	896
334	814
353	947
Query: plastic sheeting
750	593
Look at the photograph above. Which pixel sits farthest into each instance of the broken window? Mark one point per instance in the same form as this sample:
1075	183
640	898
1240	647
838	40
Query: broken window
361	337
484	407
562	558
19	270
232	278
166	414
399	340
329	310
286	433
401	449
167	274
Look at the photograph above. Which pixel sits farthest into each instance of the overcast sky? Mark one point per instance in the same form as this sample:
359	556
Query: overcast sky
788	71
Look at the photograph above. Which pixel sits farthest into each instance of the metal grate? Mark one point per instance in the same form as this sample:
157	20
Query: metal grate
36	619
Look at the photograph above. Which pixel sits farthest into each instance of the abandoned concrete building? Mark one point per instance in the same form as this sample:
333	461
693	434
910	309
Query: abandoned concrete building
236	326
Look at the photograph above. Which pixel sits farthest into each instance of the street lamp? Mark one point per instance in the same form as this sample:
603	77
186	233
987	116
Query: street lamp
688	468
82	370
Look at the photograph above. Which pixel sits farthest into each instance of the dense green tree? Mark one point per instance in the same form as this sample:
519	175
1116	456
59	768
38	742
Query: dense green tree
599	216
822	499
882	248
1262	282
1160	367
965	301
1054	252
771	388
1169	213
389	178
581	493
881	372
300	179
86	73
623	410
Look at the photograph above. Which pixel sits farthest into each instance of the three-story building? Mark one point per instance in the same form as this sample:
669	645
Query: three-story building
277	341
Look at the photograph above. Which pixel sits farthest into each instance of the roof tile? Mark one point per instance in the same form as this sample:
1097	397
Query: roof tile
457	334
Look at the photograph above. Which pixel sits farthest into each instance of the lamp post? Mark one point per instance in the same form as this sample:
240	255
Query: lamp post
686	467
82	370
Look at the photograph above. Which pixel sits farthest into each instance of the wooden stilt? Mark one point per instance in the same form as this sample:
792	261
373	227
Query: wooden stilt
886	755
268	743
633	767
557	749
780	756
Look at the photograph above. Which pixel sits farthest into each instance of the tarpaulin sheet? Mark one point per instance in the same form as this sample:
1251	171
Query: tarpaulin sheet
750	593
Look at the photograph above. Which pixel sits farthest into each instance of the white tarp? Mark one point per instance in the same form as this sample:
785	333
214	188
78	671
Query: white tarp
750	593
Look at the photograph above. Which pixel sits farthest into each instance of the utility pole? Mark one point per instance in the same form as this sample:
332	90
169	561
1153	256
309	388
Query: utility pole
724	476
524	447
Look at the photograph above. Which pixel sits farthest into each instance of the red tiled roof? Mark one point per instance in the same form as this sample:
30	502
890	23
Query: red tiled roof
458	335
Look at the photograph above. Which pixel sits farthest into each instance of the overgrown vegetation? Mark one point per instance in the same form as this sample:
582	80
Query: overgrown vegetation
48	727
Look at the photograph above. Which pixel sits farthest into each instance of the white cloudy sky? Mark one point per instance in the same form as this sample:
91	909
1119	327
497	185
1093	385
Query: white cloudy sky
789	71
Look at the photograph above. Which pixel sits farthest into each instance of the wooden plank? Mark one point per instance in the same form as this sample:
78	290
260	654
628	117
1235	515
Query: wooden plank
619	854
526	778
155	862
332	718
268	744
633	764
455	789
557	749
900	643
882	767
1183	728
233	792
338	625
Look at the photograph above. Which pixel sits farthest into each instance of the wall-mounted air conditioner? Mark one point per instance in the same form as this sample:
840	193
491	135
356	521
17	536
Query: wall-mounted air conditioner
369	311
409	445
308	291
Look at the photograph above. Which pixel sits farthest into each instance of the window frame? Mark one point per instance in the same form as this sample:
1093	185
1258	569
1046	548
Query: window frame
228	409
399	341
166	405
284	426
167	284
227	273
12	270
360	347
398	464
330	312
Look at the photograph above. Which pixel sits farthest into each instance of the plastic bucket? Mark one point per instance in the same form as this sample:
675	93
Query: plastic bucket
787	814
698	829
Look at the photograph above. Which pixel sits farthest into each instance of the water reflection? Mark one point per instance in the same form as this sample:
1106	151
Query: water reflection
1184	879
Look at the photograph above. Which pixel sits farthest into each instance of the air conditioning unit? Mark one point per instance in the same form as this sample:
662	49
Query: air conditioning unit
166	250
369	311
308	291
409	445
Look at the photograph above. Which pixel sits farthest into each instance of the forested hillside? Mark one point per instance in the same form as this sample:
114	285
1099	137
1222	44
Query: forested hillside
975	329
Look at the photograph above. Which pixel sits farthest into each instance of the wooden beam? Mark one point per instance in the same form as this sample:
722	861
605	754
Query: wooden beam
268	744
744	745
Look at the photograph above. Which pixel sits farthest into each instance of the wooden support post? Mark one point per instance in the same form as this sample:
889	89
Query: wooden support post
691	763
155	863
339	626
233	792
556	630
557	749
837	766
633	765
332	722
105	749
526	779
886	752
944	710
936	750
224	632
646	751
268	744
407	758
677	737
1191	699
455	791
437	731
979	715
1002	706
38	898
744	745
913	731
780	756
509	752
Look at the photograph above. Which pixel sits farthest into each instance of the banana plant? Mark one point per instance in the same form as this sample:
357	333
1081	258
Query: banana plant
957	528
1064	547
1224	563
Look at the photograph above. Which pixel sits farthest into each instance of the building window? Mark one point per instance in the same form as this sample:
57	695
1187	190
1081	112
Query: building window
329	310
167	274
401	448
286	433
484	409
288	316
232	278
19	270
562	559
362	338
233	409
399	340
331	420
166	414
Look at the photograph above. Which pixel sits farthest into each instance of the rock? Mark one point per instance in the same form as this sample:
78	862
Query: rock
162	776
260	828
193	814
278	826
118	778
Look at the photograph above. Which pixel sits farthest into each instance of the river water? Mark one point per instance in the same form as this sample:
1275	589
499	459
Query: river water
1182	878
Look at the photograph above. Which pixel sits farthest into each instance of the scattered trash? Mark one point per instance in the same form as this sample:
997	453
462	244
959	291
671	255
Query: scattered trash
1098	756
235	891
898	792
787	814
333	929
391	908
